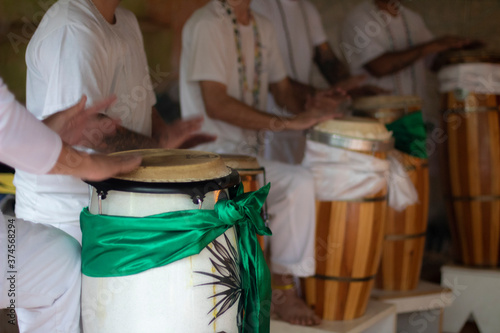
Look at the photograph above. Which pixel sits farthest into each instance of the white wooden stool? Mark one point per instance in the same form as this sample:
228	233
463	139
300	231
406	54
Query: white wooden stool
419	310
379	318
477	293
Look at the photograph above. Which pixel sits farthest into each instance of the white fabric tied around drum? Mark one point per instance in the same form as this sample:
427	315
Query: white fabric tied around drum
481	78
341	174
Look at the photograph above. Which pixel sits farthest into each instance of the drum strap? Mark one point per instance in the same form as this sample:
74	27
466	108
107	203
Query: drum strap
344	279
119	246
483	198
404	237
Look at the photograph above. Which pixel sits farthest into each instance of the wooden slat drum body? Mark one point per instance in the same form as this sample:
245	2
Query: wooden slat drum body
472	162
349	236
405	231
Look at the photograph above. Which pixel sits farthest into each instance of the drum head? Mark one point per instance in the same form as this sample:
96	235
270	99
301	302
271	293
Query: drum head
245	165
386	109
471	56
172	171
360	134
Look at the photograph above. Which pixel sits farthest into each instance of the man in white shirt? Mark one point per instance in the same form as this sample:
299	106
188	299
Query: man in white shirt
90	47
230	61
390	43
302	41
40	266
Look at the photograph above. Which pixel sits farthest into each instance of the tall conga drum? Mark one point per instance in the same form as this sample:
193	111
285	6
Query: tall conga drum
349	232
405	230
470	101
252	177
196	294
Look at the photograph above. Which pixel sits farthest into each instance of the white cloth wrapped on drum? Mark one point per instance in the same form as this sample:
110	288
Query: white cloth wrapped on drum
481	78
340	174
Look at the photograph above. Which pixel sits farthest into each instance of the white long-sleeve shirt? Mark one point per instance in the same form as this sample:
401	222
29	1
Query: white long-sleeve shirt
25	143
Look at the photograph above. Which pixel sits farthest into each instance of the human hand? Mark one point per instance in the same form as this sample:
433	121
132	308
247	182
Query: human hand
79	126
94	167
103	167
327	101
306	120
449	42
181	133
352	82
367	90
197	139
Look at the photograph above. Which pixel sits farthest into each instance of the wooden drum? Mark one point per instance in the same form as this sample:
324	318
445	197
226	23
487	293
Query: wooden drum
405	231
250	171
186	295
349	234
471	120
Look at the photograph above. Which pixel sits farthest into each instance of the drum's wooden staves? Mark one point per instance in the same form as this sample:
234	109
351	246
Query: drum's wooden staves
472	158
349	238
405	233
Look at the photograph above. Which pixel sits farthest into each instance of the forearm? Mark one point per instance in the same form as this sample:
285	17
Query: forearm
159	127
94	167
393	62
125	139
332	69
241	115
291	95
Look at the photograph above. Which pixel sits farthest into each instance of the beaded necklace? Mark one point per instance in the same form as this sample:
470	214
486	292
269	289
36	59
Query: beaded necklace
409	41
288	37
242	68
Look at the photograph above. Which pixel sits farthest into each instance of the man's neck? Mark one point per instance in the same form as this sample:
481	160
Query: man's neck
389	6
107	9
242	12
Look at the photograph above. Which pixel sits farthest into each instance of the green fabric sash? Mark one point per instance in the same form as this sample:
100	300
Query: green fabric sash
409	134
118	246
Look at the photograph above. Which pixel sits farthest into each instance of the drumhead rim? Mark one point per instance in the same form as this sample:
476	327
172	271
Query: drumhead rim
194	189
351	143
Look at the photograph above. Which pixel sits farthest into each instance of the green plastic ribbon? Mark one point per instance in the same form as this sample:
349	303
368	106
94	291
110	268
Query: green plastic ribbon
409	134
119	246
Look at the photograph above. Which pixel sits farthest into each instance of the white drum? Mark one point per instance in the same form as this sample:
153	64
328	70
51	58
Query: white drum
178	297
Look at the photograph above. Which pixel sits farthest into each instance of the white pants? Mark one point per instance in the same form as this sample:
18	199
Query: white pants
47	281
287	146
291	205
71	228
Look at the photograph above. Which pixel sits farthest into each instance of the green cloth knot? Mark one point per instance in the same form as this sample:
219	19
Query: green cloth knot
119	246
409	134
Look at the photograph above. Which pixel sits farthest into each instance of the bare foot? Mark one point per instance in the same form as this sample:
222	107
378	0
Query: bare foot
290	308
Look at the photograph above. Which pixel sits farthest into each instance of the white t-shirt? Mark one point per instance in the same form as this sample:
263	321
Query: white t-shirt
209	54
74	51
302	23
297	23
25	143
366	35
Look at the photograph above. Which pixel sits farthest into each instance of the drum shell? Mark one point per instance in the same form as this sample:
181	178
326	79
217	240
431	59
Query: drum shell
349	236
405	232
471	158
404	242
168	298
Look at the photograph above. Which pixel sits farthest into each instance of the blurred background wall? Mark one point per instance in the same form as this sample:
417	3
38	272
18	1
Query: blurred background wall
162	20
